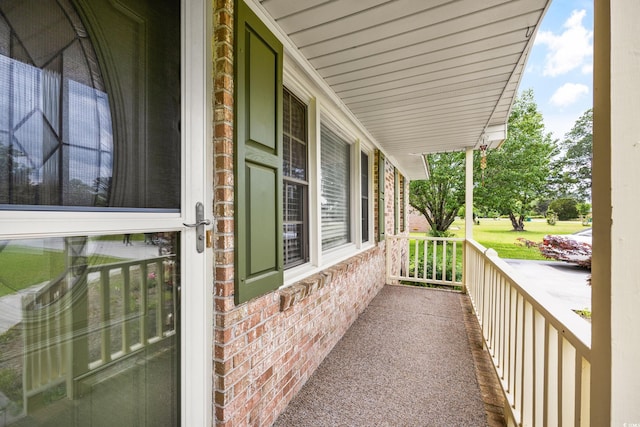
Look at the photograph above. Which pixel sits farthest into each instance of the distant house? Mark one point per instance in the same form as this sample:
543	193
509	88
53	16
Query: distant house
417	222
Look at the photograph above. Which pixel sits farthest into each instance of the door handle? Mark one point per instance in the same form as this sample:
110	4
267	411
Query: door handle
201	221
198	224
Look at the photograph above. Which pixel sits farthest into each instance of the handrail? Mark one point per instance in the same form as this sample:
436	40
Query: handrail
425	260
120	324
540	352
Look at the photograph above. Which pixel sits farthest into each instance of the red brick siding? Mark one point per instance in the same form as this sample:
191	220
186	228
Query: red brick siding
263	355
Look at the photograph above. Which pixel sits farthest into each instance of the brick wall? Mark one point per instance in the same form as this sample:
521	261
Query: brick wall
266	349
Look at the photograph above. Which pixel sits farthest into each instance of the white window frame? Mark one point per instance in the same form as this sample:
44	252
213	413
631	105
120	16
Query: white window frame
368	150
320	109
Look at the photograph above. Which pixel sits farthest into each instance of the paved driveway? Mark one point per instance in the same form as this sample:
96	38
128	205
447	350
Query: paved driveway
565	283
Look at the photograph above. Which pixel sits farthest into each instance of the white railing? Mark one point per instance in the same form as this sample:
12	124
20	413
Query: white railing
541	354
425	260
110	311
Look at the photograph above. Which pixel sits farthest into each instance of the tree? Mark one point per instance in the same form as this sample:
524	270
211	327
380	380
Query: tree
439	197
574	166
565	207
584	209
516	174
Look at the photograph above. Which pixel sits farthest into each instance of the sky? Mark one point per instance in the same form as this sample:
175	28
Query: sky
560	65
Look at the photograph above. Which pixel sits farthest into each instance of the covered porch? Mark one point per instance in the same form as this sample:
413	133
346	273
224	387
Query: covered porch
488	349
441	79
413	357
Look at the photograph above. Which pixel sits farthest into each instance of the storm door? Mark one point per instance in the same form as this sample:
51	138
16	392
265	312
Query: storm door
100	169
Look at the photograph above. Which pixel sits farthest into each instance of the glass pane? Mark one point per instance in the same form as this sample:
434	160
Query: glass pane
293	246
88	124
299	120
298	161
294	202
286	155
364	195
87	331
335	184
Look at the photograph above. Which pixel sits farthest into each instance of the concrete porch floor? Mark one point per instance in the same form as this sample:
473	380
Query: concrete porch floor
414	357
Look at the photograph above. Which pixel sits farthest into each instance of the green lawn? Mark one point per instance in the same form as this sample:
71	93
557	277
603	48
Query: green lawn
498	235
23	266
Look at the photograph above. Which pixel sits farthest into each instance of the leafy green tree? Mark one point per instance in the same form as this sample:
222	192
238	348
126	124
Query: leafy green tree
565	207
574	166
584	209
439	197
517	173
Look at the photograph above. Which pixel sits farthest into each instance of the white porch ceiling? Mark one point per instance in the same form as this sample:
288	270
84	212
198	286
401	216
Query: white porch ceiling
420	75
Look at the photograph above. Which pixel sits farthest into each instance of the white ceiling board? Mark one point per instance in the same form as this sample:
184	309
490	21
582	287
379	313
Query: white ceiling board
417	42
325	14
428	73
418	75
509	42
282	8
359	28
466	87
508	55
439	78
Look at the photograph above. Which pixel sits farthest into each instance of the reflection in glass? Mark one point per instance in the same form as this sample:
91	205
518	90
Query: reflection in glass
88	331
80	125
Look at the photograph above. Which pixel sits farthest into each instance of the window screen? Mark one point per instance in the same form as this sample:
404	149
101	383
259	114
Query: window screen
296	185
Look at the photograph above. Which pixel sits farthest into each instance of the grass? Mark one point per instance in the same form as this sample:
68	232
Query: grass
499	235
23	266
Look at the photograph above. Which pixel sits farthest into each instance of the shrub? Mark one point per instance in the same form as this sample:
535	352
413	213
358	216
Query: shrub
436	233
438	266
566	249
438	270
565	207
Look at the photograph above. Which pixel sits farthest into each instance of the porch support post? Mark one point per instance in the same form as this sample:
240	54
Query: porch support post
615	380
468	195
468	213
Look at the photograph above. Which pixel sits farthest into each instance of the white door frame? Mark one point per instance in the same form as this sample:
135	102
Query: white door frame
197	319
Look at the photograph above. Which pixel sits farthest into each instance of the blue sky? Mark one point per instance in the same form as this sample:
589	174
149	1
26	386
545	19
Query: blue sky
560	66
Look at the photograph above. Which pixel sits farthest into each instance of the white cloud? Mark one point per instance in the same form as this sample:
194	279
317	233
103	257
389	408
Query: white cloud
571	49
587	69
568	93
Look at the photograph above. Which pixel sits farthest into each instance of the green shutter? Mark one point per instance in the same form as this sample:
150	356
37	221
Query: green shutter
258	157
381	203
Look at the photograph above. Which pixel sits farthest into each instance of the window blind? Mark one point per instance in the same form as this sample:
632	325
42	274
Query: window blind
335	189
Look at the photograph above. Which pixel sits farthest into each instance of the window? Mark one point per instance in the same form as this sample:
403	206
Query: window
295	181
364	195
402	204
335	189
63	141
396	201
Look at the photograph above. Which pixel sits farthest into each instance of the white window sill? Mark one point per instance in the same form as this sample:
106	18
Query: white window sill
329	259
